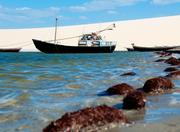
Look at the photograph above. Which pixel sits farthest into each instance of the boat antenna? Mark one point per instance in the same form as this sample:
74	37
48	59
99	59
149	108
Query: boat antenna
55	30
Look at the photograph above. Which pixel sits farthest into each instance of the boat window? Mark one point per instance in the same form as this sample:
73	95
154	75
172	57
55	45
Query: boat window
83	38
91	37
86	37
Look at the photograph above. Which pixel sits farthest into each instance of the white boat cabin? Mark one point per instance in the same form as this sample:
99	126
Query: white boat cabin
94	40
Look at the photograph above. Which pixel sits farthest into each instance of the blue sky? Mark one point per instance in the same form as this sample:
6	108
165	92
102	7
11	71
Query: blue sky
42	13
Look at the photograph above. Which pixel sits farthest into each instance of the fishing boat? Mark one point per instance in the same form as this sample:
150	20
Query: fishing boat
88	43
156	48
84	46
10	49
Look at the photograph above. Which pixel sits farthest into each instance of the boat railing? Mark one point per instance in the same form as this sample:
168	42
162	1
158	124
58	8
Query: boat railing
109	43
95	42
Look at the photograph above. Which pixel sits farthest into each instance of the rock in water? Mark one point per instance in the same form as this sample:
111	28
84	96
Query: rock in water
134	100
120	89
173	61
170	69
157	85
174	74
86	119
129	74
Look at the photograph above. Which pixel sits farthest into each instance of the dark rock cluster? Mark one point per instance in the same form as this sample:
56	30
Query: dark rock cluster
89	119
153	86
175	74
134	100
120	89
174	71
170	69
86	119
173	61
157	85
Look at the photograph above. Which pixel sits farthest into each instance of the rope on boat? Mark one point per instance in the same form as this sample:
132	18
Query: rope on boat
27	43
110	27
66	38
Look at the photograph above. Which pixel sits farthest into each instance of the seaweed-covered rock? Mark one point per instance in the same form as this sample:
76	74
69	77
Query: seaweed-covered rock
134	100
128	74
157	85
120	89
88	119
170	69
174	74
173	61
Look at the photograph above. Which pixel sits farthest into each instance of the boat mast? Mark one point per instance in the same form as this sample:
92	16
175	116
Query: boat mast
55	30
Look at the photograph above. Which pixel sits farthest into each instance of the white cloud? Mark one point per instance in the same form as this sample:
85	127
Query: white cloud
11	18
23	9
97	5
163	2
24	14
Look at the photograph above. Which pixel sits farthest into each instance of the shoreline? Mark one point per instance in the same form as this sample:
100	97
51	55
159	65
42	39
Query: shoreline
170	125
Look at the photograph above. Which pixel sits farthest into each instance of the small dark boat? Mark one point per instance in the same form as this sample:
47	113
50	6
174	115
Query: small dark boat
89	43
174	50
10	49
156	48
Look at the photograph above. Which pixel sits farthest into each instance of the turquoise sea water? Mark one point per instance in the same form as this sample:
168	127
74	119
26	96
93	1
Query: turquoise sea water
36	88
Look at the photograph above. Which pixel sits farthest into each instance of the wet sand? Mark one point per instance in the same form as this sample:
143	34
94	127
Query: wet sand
169	125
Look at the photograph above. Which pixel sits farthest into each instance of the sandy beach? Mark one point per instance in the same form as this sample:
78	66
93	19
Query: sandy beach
144	32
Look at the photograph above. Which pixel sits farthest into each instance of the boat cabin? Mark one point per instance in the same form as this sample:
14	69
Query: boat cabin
93	40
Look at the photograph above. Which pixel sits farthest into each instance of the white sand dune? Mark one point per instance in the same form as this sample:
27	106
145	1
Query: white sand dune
144	32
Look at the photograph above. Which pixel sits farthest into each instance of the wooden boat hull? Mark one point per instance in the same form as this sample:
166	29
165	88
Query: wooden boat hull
53	48
146	49
10	49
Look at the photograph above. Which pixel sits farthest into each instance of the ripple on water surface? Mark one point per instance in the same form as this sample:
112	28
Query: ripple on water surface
36	88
